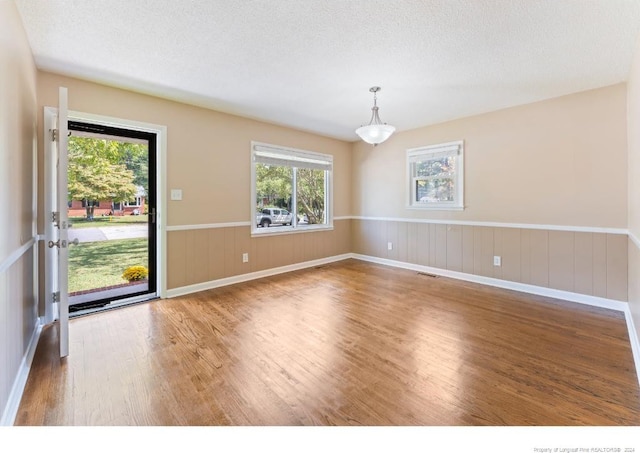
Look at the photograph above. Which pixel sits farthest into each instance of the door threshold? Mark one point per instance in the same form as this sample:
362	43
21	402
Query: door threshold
110	305
112	292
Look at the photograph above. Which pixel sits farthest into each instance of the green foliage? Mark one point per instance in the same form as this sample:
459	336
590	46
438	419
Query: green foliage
310	195
273	182
274	187
99	264
135	157
105	170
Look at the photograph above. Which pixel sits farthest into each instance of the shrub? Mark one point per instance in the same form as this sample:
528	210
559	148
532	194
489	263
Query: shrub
135	273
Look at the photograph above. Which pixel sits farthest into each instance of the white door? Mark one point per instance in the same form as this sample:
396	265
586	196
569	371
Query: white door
56	229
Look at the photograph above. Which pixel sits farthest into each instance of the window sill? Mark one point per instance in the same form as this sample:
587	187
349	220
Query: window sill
280	230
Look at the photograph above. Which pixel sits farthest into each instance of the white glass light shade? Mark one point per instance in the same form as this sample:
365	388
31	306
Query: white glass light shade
375	134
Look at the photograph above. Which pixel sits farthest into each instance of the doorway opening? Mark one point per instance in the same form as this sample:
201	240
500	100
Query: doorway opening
112	206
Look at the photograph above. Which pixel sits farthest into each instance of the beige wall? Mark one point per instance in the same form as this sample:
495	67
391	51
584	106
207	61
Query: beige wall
208	157
560	162
208	152
556	162
18	311
633	119
510	157
198	256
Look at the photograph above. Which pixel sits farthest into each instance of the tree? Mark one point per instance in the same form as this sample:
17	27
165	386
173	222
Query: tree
97	172
273	183
274	186
310	194
136	158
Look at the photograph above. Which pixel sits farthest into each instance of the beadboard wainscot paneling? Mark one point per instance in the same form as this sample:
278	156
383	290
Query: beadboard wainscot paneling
201	255
19	320
582	262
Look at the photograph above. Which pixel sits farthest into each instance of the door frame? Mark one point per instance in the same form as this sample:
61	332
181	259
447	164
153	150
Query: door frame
50	114
100	300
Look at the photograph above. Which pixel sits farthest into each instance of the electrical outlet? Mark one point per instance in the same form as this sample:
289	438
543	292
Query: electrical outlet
497	261
245	257
389	246
176	194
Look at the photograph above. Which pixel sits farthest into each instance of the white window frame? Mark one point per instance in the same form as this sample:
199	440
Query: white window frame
424	153
138	201
282	155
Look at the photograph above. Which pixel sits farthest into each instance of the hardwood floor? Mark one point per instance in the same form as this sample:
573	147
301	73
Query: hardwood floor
351	343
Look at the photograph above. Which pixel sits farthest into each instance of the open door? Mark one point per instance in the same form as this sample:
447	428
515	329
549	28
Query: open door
56	230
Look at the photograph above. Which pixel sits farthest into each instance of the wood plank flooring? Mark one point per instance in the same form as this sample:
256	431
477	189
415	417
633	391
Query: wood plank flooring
350	343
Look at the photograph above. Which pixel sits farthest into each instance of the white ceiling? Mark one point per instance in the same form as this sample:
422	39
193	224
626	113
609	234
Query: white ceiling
309	64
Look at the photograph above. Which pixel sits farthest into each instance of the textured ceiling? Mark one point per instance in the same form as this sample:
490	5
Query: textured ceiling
309	63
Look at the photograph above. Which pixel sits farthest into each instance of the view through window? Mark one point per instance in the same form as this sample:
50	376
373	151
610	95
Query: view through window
436	176
291	188
108	186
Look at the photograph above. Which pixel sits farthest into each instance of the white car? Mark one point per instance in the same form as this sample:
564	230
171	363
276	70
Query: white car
273	216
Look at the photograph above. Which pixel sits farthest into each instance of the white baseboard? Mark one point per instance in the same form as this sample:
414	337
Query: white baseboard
15	396
183	290
522	287
635	341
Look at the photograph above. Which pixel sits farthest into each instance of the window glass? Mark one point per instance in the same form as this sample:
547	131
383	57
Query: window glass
291	188
310	194
436	176
273	186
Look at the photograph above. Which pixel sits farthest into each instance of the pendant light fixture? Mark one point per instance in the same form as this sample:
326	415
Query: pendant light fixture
376	131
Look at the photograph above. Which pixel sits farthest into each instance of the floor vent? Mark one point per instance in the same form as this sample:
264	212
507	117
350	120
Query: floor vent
425	274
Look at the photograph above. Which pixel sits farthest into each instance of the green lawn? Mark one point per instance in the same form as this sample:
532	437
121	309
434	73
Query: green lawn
81	222
99	264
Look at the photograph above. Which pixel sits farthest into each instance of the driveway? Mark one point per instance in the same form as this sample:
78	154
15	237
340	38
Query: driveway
108	233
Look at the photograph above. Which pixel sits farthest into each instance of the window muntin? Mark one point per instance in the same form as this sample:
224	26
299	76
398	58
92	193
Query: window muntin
435	176
294	183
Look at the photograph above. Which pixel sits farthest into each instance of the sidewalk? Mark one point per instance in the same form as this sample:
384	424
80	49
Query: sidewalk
108	233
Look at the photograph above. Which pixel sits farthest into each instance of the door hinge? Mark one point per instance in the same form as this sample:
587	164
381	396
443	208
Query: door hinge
56	296
54	134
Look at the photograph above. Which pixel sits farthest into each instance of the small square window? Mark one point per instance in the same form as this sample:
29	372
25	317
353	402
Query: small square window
435	175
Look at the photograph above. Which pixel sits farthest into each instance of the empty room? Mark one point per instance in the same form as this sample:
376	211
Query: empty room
320	213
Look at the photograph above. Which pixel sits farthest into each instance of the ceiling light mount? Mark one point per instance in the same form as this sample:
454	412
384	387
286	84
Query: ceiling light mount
376	131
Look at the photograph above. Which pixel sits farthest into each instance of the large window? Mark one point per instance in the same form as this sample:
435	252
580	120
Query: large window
291	189
435	175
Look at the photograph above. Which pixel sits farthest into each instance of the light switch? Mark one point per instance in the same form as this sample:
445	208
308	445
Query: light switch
176	194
